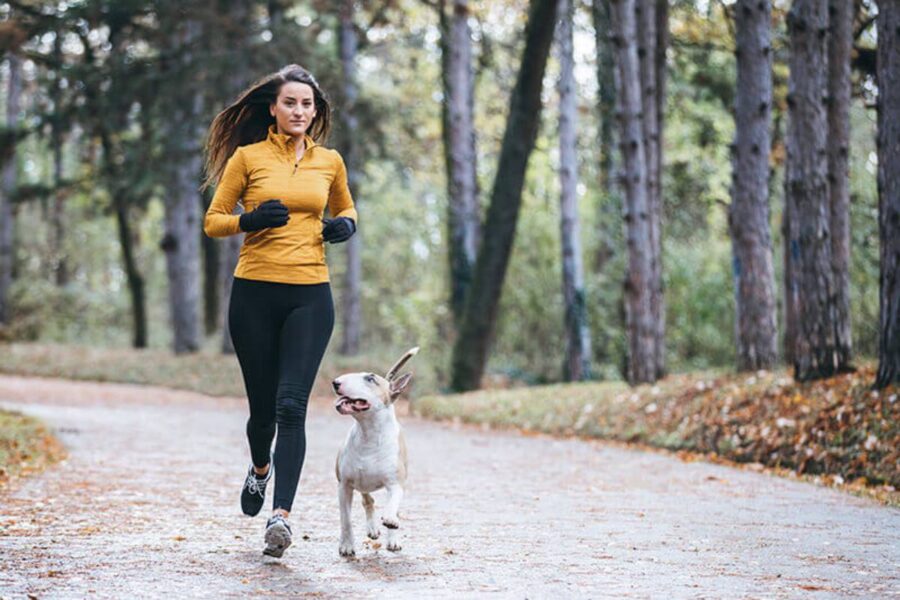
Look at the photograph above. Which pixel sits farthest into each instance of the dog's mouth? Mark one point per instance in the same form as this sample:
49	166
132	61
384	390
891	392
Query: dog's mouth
348	406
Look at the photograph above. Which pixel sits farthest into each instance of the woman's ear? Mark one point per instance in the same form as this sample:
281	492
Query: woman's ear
272	109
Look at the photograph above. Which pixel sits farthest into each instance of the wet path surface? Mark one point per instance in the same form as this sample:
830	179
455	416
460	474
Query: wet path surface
146	506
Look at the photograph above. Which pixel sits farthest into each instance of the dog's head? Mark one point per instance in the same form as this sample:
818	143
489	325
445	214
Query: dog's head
367	393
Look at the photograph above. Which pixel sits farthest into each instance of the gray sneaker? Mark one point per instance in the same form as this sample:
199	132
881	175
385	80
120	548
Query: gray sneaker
278	536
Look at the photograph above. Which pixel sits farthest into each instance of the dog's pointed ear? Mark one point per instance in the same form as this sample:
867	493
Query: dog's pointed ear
392	372
398	384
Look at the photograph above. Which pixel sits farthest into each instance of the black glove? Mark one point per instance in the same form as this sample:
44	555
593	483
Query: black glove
338	230
271	213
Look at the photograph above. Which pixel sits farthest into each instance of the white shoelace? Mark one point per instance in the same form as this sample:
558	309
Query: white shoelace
256	486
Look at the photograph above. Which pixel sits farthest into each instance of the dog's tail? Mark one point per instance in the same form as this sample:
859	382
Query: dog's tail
399	364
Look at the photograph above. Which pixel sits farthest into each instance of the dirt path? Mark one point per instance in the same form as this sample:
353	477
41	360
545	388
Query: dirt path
147	506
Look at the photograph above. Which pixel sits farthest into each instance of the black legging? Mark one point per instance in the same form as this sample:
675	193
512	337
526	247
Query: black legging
280	332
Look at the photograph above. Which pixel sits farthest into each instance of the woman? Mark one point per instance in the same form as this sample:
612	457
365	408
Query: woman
263	151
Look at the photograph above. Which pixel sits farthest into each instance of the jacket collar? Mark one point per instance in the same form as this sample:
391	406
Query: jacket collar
284	142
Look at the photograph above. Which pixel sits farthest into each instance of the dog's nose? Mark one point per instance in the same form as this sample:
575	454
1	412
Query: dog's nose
335	385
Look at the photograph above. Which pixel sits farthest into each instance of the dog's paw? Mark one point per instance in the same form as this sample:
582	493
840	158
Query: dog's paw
373	532
346	549
390	522
394	546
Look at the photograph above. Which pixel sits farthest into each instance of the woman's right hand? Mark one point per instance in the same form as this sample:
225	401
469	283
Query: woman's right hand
271	213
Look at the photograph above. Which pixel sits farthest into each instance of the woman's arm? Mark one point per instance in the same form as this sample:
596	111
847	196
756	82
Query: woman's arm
340	203
219	221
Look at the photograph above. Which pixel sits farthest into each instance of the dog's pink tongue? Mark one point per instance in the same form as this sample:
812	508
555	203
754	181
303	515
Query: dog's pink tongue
344	408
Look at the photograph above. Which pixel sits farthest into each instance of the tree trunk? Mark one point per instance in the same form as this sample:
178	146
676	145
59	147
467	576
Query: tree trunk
228	249
839	47
133	275
748	216
606	93
647	41
640	324
662	45
787	275
463	211
659	299
479	318
57	217
8	187
181	242
815	350
578	348
889	192
609	208
351	314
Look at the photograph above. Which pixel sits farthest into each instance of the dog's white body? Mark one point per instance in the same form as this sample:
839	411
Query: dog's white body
374	454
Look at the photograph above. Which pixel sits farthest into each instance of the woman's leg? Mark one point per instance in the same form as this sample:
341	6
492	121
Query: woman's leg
255	331
304	337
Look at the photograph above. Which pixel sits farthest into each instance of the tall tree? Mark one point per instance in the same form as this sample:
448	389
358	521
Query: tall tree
463	208
578	347
181	241
117	183
640	322
609	206
240	55
748	215
806	189
479	318
8	182
840	43
652	58
351	314
889	192
606	93
111	89
58	126
659	298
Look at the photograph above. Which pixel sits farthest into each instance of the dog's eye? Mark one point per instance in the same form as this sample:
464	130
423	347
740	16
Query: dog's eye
370	378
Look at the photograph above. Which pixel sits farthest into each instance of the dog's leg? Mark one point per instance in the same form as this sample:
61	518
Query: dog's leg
345	495
369	504
390	519
393	540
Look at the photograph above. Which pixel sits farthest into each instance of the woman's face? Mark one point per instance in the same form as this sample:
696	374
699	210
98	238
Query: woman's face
294	109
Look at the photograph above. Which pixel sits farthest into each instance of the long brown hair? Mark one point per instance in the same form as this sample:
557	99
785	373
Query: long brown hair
247	120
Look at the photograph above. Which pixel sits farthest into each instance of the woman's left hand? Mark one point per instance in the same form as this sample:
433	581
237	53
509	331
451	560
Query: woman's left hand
338	230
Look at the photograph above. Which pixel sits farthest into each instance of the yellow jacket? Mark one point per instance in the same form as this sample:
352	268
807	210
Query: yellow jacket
268	169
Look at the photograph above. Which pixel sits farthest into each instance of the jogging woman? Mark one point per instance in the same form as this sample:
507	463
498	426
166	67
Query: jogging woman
263	151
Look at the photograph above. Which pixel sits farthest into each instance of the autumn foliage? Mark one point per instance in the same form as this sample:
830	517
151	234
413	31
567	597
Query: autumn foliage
837	427
25	446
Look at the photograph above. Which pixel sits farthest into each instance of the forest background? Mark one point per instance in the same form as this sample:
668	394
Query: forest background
114	96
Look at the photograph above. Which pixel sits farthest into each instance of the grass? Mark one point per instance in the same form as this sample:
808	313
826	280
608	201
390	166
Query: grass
208	372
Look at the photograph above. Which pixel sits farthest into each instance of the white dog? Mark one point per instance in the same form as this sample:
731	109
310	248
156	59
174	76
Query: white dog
374	454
